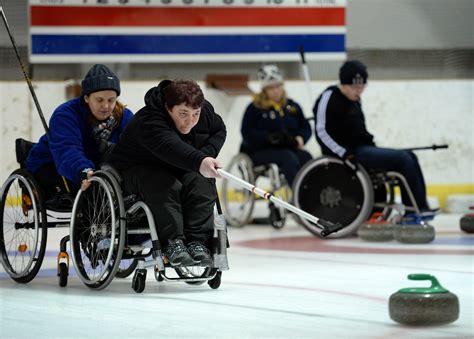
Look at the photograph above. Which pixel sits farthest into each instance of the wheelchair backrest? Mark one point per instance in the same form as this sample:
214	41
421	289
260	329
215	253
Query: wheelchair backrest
22	148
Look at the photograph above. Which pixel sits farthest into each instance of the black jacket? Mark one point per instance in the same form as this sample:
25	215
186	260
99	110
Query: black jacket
151	138
340	123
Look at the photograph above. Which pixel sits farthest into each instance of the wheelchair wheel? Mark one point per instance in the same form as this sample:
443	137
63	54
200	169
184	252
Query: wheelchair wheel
278	214
98	231
238	202
139	280
23	226
126	267
63	274
193	272
215	282
328	189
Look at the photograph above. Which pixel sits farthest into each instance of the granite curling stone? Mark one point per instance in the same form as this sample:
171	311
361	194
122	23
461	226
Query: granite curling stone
467	223
424	306
414	234
376	232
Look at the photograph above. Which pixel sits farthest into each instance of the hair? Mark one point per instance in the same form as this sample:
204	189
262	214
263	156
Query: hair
185	92
118	111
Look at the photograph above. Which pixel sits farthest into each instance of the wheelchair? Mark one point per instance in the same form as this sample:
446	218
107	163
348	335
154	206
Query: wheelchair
25	218
238	203
108	229
100	221
330	189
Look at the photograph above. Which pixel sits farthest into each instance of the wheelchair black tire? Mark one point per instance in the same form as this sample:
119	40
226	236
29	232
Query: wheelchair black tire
62	274
33	265
123	272
330	190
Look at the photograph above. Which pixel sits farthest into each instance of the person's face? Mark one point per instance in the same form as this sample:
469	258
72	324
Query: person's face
184	117
353	92
101	103
274	92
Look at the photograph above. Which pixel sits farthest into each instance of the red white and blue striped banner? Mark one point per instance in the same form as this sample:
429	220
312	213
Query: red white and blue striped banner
70	31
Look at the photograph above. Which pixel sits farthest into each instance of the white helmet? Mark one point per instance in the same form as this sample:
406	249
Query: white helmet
270	75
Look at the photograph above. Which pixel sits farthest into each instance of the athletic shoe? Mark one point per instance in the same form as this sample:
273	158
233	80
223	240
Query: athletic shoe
199	253
177	253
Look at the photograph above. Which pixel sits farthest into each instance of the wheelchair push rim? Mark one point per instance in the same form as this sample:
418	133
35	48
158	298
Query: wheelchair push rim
23	222
328	189
97	232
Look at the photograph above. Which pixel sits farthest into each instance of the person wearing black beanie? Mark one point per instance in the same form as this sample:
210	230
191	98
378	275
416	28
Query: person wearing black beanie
100	78
341	131
81	133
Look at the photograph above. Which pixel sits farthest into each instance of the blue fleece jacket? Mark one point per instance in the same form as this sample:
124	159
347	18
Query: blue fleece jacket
69	143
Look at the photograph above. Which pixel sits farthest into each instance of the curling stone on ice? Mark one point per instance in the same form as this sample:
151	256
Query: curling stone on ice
376	229
421	306
467	222
414	230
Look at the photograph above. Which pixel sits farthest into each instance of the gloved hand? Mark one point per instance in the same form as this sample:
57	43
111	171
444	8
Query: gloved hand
282	139
84	176
104	129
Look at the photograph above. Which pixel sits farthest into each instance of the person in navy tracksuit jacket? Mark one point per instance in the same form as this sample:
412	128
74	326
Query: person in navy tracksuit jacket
341	132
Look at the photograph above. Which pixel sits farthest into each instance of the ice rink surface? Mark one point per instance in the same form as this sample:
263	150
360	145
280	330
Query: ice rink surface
281	284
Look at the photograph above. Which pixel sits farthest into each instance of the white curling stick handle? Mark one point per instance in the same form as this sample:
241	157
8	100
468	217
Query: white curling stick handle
327	227
307	78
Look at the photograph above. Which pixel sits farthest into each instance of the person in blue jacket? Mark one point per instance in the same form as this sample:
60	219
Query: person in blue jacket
81	134
274	129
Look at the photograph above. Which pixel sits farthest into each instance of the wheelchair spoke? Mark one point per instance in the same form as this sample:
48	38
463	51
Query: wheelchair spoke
23	234
94	235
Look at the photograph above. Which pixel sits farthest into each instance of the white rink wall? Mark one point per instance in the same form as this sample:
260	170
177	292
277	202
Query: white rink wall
399	114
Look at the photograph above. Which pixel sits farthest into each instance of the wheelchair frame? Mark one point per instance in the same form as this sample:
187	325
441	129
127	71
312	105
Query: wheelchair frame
377	187
116	224
25	220
107	180
242	166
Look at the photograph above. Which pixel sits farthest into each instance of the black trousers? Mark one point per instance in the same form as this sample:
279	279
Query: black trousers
52	183
401	161
182	203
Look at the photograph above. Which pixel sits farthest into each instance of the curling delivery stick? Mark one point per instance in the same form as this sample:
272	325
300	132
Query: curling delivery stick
307	78
28	80
326	226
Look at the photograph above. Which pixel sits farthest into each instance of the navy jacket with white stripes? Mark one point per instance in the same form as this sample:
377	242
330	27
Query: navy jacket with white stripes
340	123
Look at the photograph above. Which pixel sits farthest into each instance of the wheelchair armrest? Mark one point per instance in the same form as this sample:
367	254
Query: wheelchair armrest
22	148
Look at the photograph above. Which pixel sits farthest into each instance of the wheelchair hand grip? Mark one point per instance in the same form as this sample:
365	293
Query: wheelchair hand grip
329	227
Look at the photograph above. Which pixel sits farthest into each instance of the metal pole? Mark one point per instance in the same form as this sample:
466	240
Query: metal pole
433	147
326	226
